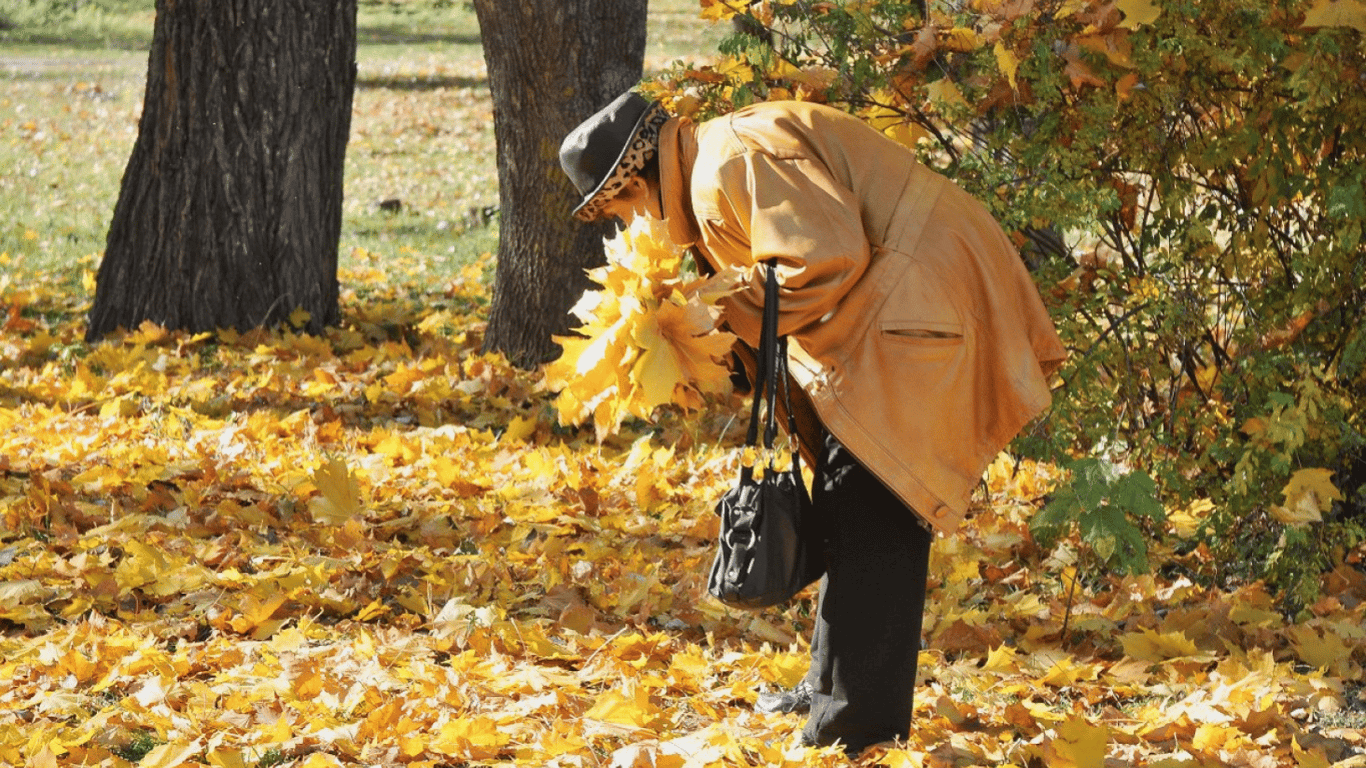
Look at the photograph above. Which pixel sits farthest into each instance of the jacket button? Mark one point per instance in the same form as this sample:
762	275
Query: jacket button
941	511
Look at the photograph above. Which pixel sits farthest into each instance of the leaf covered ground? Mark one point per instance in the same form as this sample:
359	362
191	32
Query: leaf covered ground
377	548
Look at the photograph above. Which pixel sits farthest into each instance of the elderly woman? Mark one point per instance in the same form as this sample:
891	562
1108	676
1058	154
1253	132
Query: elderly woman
917	337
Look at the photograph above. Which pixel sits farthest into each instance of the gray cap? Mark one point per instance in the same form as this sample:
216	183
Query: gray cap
602	153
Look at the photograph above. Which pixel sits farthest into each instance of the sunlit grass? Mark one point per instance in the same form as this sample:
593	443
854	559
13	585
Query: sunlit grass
71	90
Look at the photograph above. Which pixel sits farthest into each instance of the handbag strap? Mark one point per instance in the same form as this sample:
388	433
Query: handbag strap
770	369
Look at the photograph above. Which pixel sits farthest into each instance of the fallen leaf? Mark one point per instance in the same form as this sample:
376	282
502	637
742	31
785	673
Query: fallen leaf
1138	13
340	494
1337	13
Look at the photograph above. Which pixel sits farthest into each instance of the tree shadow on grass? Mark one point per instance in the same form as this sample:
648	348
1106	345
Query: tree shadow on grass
399	82
76	41
375	34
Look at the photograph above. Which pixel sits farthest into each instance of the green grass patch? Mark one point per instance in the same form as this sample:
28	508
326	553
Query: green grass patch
68	125
421	167
139	746
54	26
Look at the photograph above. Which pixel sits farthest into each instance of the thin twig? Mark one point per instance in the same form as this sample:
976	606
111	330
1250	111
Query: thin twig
1067	616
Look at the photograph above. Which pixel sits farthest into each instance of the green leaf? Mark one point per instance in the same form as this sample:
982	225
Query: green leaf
1347	201
1115	540
1055	518
1103	546
1283	399
1353	354
1091	481
1136	493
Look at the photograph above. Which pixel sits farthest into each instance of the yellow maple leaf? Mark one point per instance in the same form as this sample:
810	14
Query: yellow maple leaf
629	707
256	612
309	682
520	429
721	10
299	317
656	371
228	758
1061	669
785	669
816	78
1081	744
902	758
43	758
148	334
685	351
1324	650
1006	61
1137	12
1150	645
645	252
1186	522
1308	495
1070	7
156	573
340	499
477	738
562	738
1314	757
943	91
735	70
893	123
140	565
412	742
1001	659
1337	13
962	39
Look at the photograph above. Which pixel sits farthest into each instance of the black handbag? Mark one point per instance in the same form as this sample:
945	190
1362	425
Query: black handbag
769	548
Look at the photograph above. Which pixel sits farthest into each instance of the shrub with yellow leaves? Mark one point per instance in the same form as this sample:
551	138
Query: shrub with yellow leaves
649	336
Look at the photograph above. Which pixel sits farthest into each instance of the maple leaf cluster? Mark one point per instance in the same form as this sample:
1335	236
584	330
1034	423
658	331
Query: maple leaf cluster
648	338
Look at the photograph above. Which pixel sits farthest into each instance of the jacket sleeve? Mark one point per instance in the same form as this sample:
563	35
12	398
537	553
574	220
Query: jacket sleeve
792	210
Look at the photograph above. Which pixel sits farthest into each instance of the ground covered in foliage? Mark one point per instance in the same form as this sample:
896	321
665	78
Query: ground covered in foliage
377	548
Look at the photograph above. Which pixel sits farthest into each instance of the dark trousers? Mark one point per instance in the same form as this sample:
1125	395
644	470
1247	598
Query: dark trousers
866	641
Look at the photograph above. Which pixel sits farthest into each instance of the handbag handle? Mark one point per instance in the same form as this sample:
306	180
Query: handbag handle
770	368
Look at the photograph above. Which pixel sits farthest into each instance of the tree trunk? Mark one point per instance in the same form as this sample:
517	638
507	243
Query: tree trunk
229	214
551	64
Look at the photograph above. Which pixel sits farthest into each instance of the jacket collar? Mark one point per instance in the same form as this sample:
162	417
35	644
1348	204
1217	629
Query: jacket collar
677	154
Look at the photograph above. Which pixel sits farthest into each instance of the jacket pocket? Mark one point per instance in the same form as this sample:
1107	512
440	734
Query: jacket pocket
923	333
921	309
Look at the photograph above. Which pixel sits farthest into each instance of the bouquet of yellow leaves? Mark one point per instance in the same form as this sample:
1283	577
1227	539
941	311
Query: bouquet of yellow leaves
649	336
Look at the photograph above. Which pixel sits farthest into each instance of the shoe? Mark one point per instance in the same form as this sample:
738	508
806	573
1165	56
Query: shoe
796	699
851	751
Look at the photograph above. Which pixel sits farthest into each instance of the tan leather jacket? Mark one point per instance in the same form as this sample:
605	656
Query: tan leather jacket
915	329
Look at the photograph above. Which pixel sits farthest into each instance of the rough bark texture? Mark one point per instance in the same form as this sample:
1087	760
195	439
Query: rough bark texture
551	64
230	210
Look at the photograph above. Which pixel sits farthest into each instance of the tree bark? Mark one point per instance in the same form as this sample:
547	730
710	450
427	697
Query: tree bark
551	64
229	214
